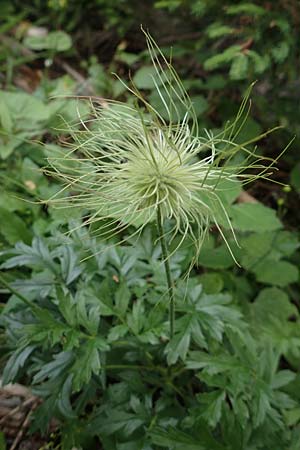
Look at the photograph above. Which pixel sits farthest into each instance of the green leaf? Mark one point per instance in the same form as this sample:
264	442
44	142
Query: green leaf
292	417
286	242
217	29
60	364
200	104
173	438
255	248
127	58
66	306
11	203
269	246
229	190
261	62
117	420
87	310
212	403
212	283
212	364
223	58
36	255
179	344
246	8
117	332
215	257
295	177
282	378
144	78
249	130
136	318
57	41
122	297
31	171
262	407
88	361
253	217
6	120
273	302
70	267
13	228
239	67
280	52
47	327
277	273
206	316
16	362
156	102
64	400
26	110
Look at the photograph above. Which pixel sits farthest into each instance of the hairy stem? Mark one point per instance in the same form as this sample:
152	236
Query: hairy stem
165	255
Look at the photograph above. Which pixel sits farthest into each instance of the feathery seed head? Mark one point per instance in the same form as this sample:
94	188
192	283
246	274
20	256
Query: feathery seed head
129	163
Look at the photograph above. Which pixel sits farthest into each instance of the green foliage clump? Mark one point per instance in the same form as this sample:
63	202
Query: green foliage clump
91	335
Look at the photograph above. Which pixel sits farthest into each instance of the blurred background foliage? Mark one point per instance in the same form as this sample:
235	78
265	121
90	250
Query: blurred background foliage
58	48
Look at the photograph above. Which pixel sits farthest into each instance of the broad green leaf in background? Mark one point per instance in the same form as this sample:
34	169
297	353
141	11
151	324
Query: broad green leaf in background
273	302
11	203
276	319
21	116
295	177
215	257
31	172
250	129
255	248
57	41
26	111
144	78
276	273
212	282
229	190
8	142
253	217
286	242
13	228
270	246
200	104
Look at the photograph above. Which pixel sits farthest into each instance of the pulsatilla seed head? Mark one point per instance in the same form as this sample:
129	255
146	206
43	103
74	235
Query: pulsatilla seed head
129	164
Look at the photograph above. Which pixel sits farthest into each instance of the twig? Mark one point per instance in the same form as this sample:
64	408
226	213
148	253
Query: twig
16	409
22	429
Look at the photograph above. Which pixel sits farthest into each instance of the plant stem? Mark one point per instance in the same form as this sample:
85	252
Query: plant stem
165	255
17	294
